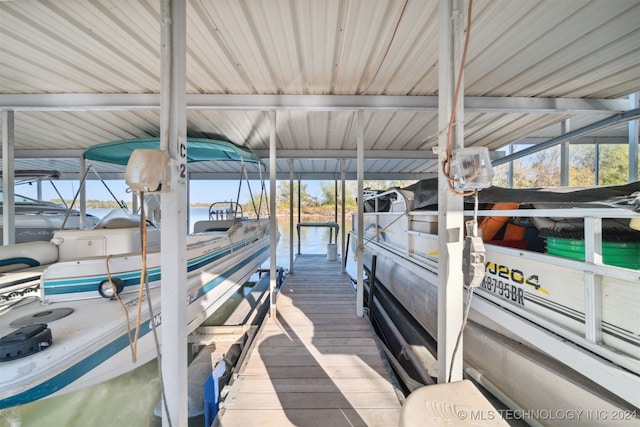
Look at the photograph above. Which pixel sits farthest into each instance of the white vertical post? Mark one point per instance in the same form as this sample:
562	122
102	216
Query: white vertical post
450	206
593	281
291	201
8	167
596	163
510	170
335	200
173	210
633	139
272	210
344	223
299	207
83	192
135	202
360	251
564	154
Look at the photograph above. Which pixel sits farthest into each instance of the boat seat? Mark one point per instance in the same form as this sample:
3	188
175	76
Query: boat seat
119	222
25	255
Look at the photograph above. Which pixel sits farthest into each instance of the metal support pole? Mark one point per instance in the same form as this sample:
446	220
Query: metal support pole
135	201
510	170
360	250
188	197
450	206
343	173
173	130
633	139
593	282
596	164
564	154
291	202
335	199
299	205
273	229
8	167
83	192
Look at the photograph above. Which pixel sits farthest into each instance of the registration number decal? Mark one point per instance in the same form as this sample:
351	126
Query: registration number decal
504	289
507	282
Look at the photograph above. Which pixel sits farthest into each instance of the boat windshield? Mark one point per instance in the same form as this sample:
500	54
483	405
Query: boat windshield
25	200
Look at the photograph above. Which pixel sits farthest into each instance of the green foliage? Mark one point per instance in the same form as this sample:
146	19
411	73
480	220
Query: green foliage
581	169
282	194
614	164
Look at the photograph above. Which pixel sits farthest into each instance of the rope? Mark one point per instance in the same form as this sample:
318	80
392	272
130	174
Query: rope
124	308
143	271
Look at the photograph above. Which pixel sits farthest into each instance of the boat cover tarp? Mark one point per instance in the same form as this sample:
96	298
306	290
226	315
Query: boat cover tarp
621	196
198	150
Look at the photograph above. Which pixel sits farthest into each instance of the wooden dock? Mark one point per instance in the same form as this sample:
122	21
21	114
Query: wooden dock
316	363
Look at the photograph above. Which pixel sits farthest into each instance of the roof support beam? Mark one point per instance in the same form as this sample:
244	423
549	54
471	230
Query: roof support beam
282	154
473	104
283	175
609	121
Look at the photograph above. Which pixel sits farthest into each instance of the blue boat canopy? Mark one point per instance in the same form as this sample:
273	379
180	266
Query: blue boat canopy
198	150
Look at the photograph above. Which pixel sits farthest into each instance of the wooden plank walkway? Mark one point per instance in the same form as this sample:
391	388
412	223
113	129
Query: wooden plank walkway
316	363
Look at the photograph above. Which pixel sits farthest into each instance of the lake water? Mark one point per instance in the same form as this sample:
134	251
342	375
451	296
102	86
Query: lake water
129	400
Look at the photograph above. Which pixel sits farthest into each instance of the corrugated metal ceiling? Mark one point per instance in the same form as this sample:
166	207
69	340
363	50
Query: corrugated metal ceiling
519	51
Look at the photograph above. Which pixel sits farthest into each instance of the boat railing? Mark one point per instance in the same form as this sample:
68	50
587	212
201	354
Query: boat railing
219	211
593	267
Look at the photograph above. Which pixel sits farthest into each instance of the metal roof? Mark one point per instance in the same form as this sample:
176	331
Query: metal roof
78	73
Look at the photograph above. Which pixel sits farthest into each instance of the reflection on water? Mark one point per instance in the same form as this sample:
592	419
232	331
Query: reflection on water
129	400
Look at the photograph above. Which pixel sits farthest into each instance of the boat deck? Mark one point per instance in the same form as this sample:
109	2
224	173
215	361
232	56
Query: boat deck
316	363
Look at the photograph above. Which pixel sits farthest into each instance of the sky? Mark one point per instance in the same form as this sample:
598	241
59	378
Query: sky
200	191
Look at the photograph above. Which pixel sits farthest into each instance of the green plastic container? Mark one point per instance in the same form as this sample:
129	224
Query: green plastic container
625	255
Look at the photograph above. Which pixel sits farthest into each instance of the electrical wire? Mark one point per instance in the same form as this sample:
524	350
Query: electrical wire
150	308
459	339
386	53
474	232
446	163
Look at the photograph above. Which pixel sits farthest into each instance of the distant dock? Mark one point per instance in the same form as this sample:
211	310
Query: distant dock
316	363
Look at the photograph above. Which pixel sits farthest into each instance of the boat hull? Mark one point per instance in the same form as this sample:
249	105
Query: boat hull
497	351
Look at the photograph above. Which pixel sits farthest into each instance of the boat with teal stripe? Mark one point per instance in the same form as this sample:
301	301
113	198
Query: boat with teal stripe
75	322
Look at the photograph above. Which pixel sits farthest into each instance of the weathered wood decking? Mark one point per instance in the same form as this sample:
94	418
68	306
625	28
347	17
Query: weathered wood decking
316	363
